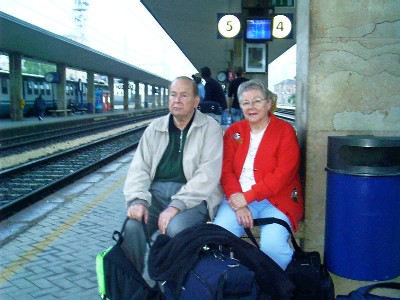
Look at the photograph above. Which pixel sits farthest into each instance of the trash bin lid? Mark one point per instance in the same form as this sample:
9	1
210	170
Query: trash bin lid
364	155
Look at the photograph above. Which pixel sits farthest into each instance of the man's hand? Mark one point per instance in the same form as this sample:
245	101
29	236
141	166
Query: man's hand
165	217
138	212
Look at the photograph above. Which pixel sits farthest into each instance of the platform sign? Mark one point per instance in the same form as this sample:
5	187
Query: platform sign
282	27
282	3
228	26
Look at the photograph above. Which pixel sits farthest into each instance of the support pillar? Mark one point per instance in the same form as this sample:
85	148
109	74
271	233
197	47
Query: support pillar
166	96
146	95
153	97
138	102
16	96
111	89
90	91
159	96
60	101
126	93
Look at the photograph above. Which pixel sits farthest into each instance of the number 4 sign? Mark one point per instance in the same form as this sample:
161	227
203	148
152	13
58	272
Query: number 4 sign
282	27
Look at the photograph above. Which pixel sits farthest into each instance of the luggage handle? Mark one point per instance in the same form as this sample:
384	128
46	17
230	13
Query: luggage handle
118	237
265	221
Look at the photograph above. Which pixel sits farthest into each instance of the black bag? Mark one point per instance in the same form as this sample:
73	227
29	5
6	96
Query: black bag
363	293
210	107
309	275
215	276
118	278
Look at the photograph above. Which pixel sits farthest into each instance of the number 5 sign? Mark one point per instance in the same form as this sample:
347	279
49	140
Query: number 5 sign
228	25
282	26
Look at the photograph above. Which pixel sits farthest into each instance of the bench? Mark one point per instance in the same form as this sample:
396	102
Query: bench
59	112
81	110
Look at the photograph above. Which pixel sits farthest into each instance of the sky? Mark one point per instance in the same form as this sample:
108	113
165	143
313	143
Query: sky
282	68
125	30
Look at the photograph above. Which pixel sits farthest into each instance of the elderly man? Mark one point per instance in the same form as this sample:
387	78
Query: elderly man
173	180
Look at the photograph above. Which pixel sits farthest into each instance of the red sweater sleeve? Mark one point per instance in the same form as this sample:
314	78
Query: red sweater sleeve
234	149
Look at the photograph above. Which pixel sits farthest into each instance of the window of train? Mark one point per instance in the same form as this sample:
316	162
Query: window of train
47	88
4	88
68	90
30	85
35	89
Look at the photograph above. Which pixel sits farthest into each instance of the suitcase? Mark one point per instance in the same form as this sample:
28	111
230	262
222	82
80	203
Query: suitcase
215	276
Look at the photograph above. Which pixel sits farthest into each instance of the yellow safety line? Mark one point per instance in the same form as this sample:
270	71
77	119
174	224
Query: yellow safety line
31	254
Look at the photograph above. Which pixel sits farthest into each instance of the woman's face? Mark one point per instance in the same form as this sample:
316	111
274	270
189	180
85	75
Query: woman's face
255	107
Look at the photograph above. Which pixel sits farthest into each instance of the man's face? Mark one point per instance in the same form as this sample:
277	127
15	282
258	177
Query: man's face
182	101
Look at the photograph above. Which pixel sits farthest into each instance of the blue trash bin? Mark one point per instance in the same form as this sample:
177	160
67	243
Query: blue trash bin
98	101
362	229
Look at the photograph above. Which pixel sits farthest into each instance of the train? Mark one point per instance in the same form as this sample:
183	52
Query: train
33	84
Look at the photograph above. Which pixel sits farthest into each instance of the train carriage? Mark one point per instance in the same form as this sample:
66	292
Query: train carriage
32	85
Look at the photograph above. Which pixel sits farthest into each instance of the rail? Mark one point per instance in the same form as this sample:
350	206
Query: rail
26	184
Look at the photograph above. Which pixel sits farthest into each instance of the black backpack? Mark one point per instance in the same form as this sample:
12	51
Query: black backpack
118	278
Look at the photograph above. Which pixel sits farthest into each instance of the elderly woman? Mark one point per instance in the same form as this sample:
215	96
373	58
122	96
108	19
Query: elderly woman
260	173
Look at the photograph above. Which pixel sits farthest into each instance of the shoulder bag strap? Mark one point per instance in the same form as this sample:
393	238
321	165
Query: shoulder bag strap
266	221
118	237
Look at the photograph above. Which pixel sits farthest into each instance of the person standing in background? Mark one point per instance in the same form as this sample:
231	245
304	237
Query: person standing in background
214	91
233	101
40	106
202	92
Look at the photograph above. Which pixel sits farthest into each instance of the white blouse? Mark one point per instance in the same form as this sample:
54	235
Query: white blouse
247	177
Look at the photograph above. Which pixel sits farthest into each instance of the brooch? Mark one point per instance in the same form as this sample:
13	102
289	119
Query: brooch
237	137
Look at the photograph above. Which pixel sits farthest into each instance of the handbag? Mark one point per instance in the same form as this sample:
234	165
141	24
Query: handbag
309	275
216	275
209	107
118	278
363	293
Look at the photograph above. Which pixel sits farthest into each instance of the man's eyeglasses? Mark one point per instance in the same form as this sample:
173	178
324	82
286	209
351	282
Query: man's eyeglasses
256	103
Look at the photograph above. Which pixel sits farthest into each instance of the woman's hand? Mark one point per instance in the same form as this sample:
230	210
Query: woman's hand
244	217
237	201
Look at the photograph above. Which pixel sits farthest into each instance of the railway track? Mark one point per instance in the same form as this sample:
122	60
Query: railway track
20	143
23	185
286	114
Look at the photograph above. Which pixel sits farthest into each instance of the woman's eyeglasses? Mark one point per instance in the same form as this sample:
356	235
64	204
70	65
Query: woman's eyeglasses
255	103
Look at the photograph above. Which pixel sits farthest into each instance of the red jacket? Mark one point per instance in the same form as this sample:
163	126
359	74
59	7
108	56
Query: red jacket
276	166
